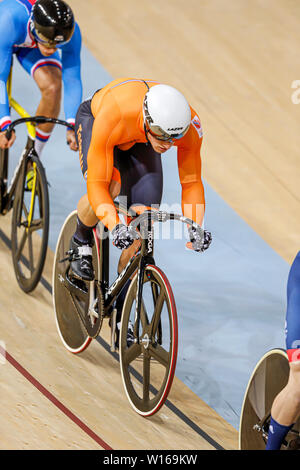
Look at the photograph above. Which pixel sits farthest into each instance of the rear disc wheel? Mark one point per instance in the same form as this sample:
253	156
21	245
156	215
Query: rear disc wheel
269	377
69	308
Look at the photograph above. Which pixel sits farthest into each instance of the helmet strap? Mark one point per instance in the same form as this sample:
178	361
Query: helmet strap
146	133
31	32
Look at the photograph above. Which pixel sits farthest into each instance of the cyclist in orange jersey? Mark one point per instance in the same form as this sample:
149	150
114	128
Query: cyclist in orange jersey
121	133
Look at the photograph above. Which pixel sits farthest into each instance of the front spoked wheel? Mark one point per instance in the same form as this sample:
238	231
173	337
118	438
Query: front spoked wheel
76	322
30	225
148	366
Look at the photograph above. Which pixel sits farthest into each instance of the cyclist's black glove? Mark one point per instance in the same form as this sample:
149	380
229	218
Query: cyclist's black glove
200	242
123	236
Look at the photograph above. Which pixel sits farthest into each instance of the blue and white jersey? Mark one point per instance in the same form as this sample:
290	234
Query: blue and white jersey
15	38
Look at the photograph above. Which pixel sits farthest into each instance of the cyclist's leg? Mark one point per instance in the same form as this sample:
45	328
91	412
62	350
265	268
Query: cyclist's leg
47	73
86	218
83	131
141	185
286	407
141	181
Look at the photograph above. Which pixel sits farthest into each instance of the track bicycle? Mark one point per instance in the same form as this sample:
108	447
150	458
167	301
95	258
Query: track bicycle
28	198
268	378
149	308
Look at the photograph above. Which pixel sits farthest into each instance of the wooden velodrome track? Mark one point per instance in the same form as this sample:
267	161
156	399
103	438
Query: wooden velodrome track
235	62
51	399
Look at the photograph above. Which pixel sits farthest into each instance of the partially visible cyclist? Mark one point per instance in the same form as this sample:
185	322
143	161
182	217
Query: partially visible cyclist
44	37
122	132
286	407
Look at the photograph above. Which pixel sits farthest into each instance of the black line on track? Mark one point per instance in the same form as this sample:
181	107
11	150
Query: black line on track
106	346
168	404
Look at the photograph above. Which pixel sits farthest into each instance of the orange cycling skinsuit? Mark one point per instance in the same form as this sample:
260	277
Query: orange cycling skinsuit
110	130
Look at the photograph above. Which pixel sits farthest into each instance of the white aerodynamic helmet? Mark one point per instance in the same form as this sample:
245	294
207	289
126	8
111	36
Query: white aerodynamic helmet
167	114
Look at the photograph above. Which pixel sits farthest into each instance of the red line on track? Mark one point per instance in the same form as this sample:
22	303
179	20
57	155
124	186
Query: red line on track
53	400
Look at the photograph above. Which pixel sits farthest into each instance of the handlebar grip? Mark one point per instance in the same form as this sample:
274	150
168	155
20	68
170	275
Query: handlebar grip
9	132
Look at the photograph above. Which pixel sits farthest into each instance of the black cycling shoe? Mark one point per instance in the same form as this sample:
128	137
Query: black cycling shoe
81	260
130	335
116	324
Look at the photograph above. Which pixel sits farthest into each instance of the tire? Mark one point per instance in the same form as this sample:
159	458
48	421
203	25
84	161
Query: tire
69	325
4	153
269	377
30	239
148	368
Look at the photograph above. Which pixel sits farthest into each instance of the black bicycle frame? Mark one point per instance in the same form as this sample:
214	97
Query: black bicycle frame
144	257
137	262
7	193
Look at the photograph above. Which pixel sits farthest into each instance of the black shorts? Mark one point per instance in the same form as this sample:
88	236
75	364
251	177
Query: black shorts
140	167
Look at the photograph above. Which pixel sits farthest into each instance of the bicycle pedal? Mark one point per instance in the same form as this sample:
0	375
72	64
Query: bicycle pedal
113	326
76	282
71	256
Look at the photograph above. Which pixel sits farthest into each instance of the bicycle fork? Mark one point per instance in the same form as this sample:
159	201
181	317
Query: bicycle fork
33	192
138	299
147	249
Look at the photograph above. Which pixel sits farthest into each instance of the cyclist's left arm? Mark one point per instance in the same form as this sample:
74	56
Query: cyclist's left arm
189	166
71	64
9	35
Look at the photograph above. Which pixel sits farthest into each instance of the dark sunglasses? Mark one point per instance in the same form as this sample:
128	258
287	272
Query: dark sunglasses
159	134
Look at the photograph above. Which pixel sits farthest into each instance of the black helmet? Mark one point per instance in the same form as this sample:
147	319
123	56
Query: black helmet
52	22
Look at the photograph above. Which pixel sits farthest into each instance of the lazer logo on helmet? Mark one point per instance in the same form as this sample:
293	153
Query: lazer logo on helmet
59	38
175	128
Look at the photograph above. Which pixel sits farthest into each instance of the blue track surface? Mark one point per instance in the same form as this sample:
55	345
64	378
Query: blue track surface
231	300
